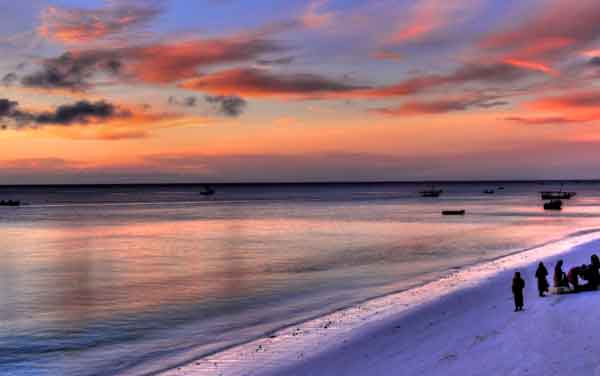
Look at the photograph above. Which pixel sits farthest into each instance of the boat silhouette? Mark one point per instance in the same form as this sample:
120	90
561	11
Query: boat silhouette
553	205
557	195
10	203
454	212
431	192
207	190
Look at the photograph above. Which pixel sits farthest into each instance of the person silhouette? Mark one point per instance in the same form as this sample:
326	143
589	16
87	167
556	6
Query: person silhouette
518	284
540	274
560	278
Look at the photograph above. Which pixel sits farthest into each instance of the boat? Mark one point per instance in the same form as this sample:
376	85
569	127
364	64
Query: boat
10	203
553	205
557	195
207	191
489	191
454	212
500	188
431	192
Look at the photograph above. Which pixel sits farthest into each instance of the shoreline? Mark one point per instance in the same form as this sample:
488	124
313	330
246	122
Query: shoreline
302	343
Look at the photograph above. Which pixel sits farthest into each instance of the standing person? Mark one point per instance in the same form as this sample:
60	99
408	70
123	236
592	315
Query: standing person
541	273
518	284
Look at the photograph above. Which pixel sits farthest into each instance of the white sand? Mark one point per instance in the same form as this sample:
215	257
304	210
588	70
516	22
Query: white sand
461	325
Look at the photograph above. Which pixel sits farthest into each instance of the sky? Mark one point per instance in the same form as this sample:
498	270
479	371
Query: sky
131	91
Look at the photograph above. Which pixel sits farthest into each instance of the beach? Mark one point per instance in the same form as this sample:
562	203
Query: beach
462	324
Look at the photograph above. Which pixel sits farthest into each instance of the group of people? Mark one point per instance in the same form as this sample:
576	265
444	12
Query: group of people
563	282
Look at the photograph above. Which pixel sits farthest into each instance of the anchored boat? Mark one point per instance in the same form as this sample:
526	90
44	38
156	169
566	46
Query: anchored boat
10	203
207	191
557	195
453	212
431	192
553	205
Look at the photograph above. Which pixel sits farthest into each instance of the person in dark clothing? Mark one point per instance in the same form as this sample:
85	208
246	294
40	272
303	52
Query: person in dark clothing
540	274
518	284
560	279
573	277
593	273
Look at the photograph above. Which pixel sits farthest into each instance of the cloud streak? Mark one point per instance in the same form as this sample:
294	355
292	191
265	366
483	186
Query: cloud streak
441	106
72	25
252	82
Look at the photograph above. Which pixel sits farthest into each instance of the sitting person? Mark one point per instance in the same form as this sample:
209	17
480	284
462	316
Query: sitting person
560	279
573	277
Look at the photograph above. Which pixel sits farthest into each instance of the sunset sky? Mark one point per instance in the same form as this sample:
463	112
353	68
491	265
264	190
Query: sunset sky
322	90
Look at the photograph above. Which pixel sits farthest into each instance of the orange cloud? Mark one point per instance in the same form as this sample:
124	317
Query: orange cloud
589	100
439	106
182	59
549	120
315	17
428	17
253	82
532	65
154	63
555	29
78	25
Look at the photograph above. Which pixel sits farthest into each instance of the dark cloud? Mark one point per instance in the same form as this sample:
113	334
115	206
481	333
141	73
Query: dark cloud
7	107
472	73
595	61
9	79
228	105
185	102
81	112
73	71
279	61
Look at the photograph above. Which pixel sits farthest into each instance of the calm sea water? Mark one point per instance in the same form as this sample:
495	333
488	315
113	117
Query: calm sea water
131	280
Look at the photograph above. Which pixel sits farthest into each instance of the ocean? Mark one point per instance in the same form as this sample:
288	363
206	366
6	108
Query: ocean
134	279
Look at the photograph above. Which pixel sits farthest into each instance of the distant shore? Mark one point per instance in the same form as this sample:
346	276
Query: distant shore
462	324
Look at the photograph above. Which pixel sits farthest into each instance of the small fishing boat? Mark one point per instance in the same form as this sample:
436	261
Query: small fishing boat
207	191
489	191
453	212
431	192
10	203
557	195
553	205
